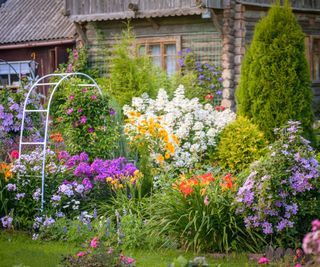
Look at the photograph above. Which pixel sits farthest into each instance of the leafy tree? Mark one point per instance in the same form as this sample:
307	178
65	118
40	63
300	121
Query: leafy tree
275	84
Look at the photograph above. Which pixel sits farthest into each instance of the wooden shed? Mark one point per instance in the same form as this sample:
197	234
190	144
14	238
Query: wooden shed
34	34
217	30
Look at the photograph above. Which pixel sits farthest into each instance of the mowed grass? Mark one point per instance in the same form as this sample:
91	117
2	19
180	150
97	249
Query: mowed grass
19	250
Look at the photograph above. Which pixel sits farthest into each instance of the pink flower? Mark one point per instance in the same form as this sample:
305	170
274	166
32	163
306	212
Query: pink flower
94	97
14	154
206	201
83	119
94	243
69	111
81	254
71	97
263	260
298	265
69	68
90	130
84	90
110	251
315	225
130	260
80	110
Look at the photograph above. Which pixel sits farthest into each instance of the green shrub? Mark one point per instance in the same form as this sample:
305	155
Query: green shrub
274	84
131	74
241	143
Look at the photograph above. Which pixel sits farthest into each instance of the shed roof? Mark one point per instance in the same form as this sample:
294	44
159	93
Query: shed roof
34	20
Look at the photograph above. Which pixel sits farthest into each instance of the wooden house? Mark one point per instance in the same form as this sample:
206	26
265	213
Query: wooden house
34	37
217	30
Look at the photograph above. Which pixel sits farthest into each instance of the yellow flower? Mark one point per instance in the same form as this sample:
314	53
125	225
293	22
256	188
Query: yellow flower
136	173
175	139
170	147
120	186
160	158
109	179
167	156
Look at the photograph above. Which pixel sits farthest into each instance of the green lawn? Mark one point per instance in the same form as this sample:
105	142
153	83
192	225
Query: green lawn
18	249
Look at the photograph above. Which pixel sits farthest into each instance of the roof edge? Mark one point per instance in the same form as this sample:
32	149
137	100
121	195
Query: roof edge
35	44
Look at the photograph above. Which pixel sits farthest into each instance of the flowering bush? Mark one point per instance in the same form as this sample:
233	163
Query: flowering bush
275	195
177	132
198	212
311	242
85	120
11	109
206	80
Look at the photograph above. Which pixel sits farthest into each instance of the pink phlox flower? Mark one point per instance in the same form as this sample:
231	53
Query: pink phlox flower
94	243
263	260
81	254
315	225
83	119
94	97
298	265
69	111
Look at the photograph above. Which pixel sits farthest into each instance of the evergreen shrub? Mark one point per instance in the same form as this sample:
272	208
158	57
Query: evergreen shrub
274	84
241	143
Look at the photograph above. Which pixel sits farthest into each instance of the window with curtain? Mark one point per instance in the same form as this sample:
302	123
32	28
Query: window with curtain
162	51
11	72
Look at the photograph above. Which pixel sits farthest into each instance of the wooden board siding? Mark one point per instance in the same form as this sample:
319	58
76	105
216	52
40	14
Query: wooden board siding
85	7
296	4
198	34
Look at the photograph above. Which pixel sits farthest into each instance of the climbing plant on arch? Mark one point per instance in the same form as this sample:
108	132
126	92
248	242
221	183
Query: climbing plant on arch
56	81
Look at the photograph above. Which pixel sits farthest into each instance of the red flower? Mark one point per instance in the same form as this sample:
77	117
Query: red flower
14	154
208	97
220	108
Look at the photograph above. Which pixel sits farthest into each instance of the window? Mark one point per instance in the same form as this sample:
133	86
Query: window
313	56
162	51
11	72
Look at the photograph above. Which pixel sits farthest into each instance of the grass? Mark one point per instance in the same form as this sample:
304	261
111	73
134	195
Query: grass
19	250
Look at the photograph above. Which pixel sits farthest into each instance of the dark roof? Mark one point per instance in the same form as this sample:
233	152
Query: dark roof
141	14
34	20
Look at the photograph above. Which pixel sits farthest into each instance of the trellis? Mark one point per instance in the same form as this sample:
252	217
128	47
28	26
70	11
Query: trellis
41	82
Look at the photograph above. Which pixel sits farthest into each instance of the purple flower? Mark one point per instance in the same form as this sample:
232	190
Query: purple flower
20	196
69	111
112	112
36	195
87	184
11	187
80	110
220	80
83	119
267	228
48	221
63	155
56	198
90	130
6	221
84	156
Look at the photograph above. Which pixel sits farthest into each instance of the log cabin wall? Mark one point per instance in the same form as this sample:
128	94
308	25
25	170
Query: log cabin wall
190	32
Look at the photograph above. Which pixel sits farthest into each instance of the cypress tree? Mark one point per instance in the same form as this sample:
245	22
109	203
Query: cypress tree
275	84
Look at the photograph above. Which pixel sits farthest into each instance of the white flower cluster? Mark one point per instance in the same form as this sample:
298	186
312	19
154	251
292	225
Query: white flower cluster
194	124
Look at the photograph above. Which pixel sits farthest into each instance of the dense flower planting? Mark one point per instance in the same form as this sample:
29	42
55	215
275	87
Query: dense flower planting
278	185
186	127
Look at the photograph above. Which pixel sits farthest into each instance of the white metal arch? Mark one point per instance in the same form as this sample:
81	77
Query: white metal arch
41	82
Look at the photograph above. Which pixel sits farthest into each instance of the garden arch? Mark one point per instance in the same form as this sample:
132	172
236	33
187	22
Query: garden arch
60	77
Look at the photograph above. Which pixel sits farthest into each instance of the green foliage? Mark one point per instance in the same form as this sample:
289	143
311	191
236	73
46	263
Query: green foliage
131	74
199	225
86	122
241	143
274	84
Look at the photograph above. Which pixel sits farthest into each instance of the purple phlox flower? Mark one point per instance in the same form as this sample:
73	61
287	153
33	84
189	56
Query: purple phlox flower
69	111
219	92
36	195
11	187
87	184
212	86
60	214
63	155
201	77
56	198
79	188
220	80
48	221
14	107
283	224
112	112
267	228
188	50
6	221
66	189
83	119
94	213
72	161
20	196
65	230
84	156
90	130
83	169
